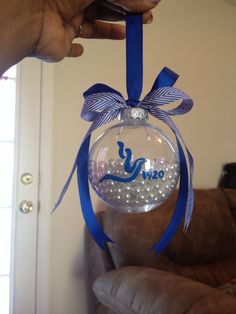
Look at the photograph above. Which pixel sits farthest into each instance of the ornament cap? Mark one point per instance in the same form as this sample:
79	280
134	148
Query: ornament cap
136	114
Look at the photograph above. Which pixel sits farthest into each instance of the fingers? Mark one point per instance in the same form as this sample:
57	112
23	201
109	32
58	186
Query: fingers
147	17
93	24
97	11
94	29
72	49
110	6
101	30
135	5
76	50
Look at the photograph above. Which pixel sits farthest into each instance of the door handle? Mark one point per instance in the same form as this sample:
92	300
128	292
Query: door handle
26	206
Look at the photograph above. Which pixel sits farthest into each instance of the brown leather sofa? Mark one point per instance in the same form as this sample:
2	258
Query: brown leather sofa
192	276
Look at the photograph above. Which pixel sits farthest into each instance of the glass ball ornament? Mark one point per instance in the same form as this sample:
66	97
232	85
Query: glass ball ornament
133	166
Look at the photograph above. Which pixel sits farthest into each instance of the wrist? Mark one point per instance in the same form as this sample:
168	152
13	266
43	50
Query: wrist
20	27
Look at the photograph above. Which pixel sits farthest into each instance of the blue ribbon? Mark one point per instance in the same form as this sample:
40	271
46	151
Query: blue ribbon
134	57
103	104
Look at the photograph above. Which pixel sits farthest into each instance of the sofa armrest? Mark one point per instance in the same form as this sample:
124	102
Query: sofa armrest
98	262
141	290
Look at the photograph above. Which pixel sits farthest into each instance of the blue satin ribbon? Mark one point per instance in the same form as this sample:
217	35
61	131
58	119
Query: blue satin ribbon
103	104
134	57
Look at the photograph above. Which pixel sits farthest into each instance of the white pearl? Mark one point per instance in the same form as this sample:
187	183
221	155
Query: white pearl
128	196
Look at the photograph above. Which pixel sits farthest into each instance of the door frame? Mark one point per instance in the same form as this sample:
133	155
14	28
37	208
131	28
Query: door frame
45	190
26	159
40	284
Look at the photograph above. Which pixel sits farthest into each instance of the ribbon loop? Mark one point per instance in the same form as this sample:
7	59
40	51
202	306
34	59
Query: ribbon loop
95	104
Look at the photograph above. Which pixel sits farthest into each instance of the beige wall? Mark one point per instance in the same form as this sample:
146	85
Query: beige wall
197	39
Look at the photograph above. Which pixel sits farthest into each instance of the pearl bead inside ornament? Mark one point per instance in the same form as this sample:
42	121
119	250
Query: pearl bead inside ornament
133	166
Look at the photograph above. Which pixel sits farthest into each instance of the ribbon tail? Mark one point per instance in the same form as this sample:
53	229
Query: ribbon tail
190	201
165	78
65	187
163	116
86	205
180	205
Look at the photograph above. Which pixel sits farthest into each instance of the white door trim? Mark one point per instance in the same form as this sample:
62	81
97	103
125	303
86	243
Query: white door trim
24	248
45	191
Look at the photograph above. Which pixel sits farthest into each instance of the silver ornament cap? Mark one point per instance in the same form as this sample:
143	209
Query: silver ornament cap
135	114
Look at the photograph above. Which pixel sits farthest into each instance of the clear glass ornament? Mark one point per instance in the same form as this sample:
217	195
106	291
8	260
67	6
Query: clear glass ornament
133	166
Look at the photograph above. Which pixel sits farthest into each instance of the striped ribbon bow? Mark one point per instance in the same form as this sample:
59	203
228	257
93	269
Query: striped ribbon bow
102	105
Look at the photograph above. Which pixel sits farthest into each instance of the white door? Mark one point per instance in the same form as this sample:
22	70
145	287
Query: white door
20	97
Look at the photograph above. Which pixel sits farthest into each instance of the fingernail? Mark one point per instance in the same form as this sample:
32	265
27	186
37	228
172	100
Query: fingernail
149	21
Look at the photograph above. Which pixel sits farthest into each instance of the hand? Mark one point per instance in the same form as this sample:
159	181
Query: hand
86	19
138	6
46	28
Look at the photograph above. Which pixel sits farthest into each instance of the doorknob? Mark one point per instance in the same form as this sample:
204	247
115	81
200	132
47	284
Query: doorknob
26	207
27	178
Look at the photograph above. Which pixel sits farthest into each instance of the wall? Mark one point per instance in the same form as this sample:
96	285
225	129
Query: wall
197	40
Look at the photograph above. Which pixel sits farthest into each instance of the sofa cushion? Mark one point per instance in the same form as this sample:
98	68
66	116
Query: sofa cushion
206	253
141	290
102	309
231	196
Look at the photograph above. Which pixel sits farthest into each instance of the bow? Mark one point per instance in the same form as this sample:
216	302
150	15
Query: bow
102	105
